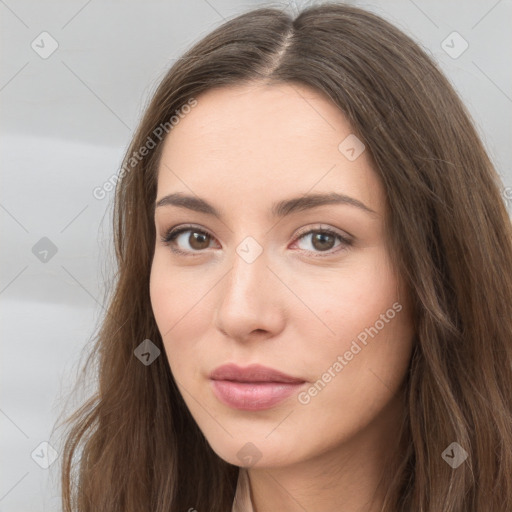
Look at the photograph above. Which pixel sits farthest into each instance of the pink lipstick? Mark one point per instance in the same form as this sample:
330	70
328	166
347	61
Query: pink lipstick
252	388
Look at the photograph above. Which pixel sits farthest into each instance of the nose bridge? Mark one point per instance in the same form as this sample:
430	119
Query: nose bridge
248	273
248	298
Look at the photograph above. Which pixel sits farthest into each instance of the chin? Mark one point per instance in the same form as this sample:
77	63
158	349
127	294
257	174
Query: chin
259	452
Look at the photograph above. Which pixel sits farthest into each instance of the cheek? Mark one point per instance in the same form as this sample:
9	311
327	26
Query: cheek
347	300
367	341
175	295
161	295
179	303
356	381
167	302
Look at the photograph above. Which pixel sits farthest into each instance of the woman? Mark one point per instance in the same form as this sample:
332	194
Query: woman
313	307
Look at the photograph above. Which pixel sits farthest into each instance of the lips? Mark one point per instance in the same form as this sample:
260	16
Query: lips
253	373
252	388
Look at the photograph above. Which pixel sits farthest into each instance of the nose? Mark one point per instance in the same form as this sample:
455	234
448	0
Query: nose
250	300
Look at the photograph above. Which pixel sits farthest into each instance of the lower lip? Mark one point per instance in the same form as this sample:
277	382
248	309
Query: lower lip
251	396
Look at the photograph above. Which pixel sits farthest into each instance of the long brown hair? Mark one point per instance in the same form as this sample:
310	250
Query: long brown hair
138	447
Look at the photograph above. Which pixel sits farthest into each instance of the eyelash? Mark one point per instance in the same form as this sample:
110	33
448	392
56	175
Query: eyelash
173	233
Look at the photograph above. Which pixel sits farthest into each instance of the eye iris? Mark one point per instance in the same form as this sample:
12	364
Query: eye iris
321	237
198	238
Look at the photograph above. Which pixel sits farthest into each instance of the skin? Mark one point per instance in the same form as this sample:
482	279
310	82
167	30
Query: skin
296	307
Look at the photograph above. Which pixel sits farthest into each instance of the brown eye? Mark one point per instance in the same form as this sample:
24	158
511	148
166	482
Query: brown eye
197	240
324	241
321	241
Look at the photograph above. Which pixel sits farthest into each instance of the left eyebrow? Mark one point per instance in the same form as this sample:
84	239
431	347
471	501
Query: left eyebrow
279	209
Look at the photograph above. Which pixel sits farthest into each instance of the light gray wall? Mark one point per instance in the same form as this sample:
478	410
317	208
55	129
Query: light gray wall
66	120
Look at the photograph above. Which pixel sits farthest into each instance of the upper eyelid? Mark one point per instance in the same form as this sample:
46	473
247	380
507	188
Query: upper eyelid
302	231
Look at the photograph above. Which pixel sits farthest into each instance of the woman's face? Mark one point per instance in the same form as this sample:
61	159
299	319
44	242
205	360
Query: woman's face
302	286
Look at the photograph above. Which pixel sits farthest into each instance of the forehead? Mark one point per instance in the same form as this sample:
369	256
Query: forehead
259	141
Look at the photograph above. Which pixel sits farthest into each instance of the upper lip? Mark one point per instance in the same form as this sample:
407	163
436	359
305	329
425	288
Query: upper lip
251	373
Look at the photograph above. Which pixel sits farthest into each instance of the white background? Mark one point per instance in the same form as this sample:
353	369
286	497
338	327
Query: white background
66	122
